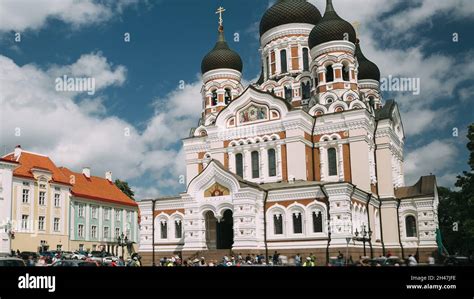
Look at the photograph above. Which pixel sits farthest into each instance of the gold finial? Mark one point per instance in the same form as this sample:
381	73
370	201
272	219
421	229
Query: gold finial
356	25
219	11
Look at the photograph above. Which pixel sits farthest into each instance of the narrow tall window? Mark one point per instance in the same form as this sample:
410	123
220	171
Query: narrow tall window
239	167
329	73
283	60
332	162
278	224
94	232
305	59
41	223
56	224
288	93
164	230
317	222
56	199
80	231
345	72
106	232
178	230
255	165
410	226
25	195
267	61
42	196
228	96
297	223
271	162
214	98
81	211
306	90
117	232
24	221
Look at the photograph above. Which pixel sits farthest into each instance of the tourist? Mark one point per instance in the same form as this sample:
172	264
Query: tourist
298	260
412	260
308	263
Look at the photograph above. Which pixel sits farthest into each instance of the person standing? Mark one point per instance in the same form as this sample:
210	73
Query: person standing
308	263
298	260
412	261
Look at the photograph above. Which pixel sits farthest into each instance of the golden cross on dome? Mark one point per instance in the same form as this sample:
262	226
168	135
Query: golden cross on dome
219	11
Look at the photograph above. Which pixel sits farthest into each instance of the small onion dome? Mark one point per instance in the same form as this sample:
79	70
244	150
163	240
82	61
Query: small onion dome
367	69
221	56
288	12
332	27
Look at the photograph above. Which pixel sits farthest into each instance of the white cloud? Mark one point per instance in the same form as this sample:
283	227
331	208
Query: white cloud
77	133
20	15
435	157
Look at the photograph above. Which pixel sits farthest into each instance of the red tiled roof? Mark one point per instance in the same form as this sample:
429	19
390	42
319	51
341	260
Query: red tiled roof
28	161
97	188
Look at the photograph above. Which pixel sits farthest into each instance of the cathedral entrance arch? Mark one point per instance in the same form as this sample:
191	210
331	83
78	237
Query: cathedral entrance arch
219	233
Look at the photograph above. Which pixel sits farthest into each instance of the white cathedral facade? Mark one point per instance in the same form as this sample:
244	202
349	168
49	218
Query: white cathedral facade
309	159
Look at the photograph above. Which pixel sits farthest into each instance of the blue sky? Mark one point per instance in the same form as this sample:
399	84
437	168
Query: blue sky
137	82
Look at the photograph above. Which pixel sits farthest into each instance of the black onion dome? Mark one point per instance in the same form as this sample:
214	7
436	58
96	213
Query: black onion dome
221	57
367	69
332	27
288	12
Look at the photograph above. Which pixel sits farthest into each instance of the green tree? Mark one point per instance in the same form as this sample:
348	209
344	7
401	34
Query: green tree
456	208
122	185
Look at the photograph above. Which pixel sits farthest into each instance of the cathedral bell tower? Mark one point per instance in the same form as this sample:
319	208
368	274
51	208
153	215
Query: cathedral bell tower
221	72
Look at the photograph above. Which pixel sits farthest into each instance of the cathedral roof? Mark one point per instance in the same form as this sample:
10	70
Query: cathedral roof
424	187
288	12
332	27
367	69
221	56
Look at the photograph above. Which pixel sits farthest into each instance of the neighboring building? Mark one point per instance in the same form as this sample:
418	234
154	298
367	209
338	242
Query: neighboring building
6	226
40	203
301	161
100	213
45	207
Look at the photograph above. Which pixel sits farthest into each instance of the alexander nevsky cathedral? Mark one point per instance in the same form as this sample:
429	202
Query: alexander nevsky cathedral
308	159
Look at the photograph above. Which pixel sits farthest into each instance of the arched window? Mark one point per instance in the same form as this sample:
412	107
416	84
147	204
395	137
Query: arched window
305	90
283	60
255	165
317	222
297	223
239	165
178	229
271	162
278	224
329	73
345	72
332	162
214	98
288	93
228	96
410	226
164	229
305	59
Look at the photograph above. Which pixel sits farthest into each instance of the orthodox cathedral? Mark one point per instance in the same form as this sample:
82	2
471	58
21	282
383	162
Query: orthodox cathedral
308	159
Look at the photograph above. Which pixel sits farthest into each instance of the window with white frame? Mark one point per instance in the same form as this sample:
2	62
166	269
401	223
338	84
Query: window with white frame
25	195
164	229
41	223
332	162
106	232
80	211
271	162
56	224
42	196
94	232
24	221
178	229
117	232
117	215
94	212
255	165
80	230
57	199
277	224
317	217
107	213
297	223
410	226
239	165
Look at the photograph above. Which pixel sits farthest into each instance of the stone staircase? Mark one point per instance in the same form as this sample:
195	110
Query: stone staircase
211	255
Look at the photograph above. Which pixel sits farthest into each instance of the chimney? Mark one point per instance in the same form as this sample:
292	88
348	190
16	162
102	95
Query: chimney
87	172
108	176
17	152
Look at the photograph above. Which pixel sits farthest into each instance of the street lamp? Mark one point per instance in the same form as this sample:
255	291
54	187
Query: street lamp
366	235
348	240
122	240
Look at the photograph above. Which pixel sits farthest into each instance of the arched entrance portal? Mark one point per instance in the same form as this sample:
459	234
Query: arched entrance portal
219	234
